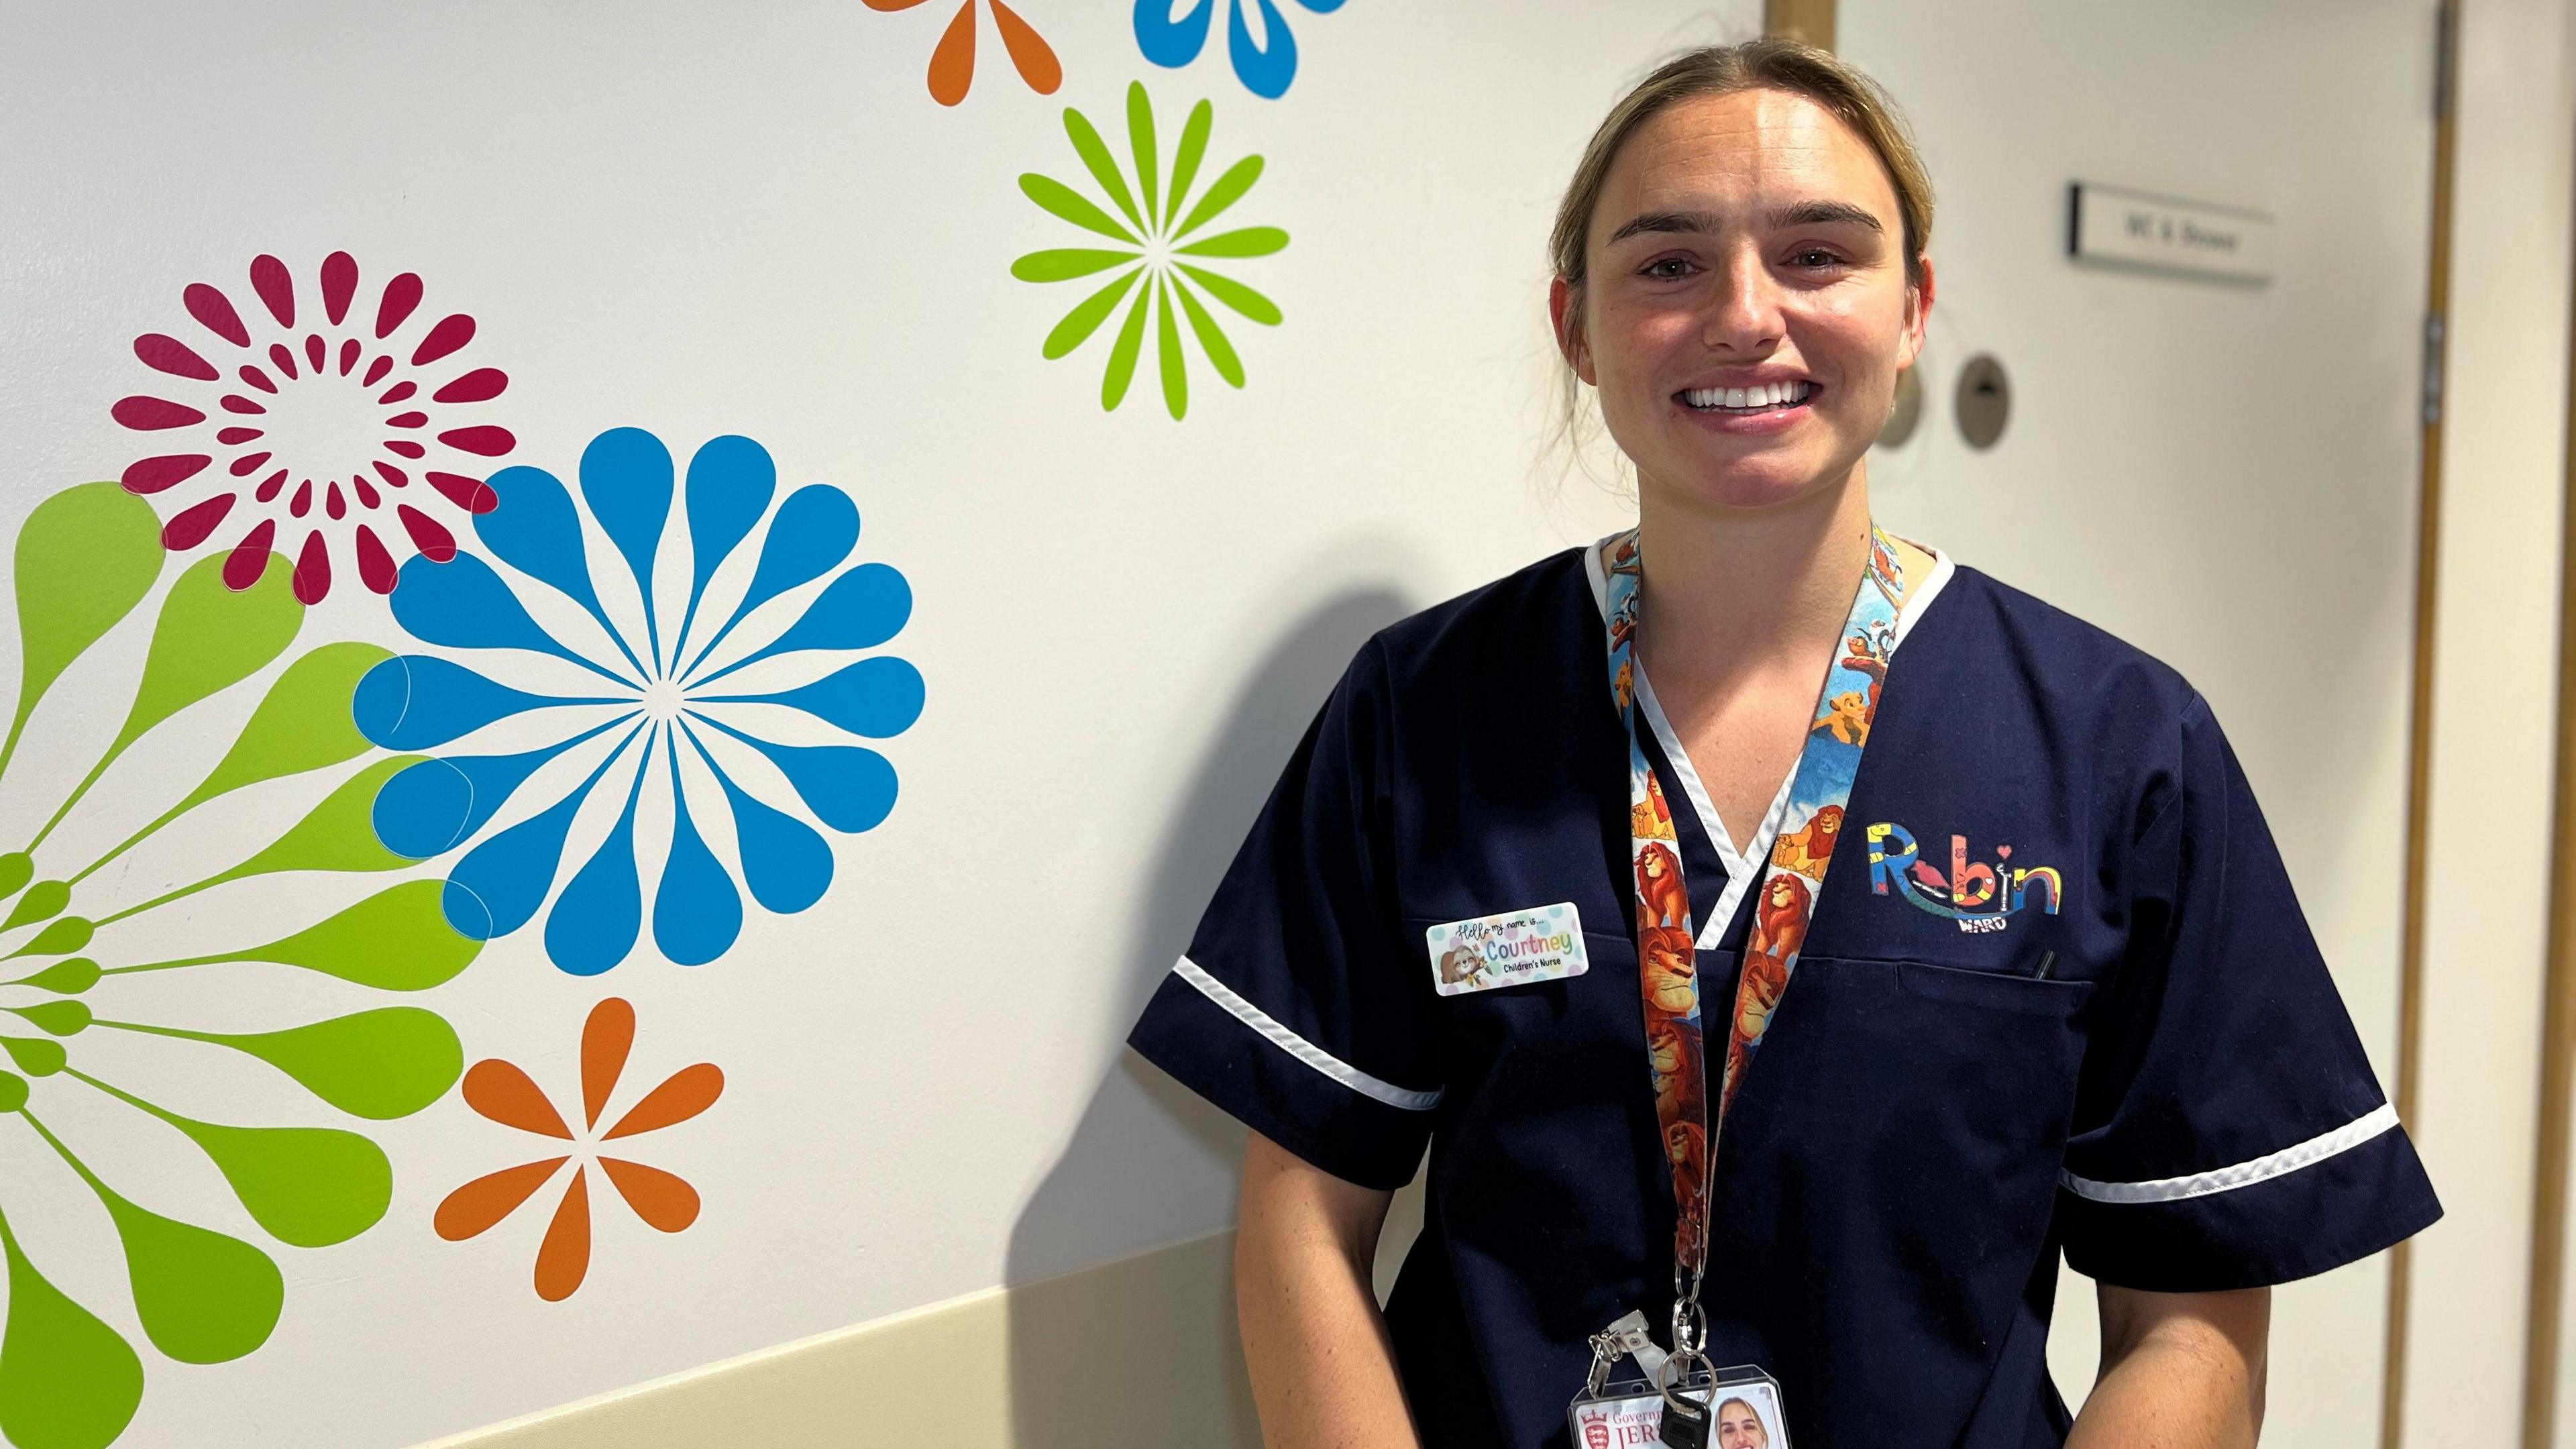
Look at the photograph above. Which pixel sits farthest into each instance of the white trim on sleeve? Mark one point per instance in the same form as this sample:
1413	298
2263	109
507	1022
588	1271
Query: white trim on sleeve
2244	1174
1300	1048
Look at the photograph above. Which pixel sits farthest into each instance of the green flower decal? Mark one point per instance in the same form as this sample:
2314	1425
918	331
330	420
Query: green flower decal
1156	258
86	559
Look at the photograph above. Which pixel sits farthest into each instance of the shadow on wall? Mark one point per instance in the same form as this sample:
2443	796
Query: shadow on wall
1122	1346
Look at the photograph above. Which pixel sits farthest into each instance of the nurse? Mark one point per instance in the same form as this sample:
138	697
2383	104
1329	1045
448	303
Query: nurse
1766	923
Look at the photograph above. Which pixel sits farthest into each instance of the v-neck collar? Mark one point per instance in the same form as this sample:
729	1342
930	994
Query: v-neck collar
1743	866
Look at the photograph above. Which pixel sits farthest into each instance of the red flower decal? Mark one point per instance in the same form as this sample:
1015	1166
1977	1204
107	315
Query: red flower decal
507	1095
321	424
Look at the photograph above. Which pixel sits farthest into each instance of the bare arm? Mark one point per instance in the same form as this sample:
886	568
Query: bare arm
2179	1371
1323	1368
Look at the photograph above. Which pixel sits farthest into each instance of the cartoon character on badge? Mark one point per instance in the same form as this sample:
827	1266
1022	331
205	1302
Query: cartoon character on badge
1460	964
1846	717
1806	849
1780	927
1671	968
1662	899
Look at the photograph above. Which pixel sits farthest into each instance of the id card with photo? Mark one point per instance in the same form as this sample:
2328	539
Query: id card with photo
1744	1403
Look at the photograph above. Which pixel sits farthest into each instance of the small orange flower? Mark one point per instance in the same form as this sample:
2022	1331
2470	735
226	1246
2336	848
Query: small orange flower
507	1095
952	65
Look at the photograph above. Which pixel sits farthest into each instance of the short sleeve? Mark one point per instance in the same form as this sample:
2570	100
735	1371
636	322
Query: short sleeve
2229	1131
1297	1008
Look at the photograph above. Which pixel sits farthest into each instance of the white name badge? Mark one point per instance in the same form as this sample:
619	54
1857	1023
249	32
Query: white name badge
1543	943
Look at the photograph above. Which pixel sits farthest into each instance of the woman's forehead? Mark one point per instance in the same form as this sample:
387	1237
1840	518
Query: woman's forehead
1745	151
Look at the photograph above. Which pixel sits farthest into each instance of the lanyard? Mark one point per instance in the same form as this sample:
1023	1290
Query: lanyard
1667	953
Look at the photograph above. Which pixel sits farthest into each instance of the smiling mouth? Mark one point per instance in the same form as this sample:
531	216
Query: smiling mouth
1748	401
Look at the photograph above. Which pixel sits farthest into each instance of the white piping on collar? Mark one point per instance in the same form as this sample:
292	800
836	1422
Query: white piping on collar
1742	866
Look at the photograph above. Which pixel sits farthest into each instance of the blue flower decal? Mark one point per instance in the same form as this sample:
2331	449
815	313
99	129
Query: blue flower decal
623	708
1265	69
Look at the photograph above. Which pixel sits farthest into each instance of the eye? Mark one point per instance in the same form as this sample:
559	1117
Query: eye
1666	267
1813	257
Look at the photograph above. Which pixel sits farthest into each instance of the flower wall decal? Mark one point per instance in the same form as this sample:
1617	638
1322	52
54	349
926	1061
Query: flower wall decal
1265	66
87	559
651	704
322	424
952	64
506	1094
1153	247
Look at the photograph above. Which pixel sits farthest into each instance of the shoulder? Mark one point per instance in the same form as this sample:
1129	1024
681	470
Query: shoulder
1529	617
1994	634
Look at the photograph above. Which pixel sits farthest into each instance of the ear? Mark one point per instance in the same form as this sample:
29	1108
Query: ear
1918	313
1565	321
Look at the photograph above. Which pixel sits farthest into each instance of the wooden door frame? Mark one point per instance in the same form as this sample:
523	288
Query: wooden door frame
2547	1308
2419	726
1809	20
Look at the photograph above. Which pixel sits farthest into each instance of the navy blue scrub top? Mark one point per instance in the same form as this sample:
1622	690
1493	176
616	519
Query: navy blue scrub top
2179	1102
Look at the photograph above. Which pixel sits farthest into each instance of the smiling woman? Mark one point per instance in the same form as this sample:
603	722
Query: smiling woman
1809	172
2096	1022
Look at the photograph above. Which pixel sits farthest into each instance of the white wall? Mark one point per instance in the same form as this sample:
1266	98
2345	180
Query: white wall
702	219
2222	475
755	219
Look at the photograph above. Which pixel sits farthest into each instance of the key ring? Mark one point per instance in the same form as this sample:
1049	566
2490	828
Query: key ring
1673	1374
1690	1324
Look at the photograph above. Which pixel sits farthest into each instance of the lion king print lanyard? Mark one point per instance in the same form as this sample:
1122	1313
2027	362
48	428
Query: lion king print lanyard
1667	959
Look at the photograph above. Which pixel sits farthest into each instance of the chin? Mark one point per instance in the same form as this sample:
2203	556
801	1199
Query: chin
1750	484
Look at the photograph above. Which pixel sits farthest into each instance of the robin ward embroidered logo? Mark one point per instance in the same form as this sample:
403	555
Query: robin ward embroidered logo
1979	896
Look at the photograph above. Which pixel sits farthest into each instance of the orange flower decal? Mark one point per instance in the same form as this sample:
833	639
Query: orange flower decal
507	1095
952	65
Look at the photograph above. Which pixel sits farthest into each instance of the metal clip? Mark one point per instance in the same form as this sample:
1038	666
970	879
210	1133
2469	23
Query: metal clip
1690	1324
1605	1352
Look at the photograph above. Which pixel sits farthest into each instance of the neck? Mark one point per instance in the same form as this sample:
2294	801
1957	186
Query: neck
1734	591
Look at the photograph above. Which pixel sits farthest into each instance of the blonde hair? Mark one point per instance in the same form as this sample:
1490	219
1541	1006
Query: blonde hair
1771	63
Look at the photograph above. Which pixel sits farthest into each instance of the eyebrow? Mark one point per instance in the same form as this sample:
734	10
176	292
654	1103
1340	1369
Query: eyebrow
1804	213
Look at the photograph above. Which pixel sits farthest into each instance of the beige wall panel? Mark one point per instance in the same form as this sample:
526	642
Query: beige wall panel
1139	1353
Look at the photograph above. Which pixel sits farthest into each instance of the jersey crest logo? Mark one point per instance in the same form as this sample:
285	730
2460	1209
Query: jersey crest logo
1979	896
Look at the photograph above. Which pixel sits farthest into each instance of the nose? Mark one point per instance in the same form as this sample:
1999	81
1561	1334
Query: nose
1743	307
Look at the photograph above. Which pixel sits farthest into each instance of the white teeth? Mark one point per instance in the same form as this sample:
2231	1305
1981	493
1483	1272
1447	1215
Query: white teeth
1767	395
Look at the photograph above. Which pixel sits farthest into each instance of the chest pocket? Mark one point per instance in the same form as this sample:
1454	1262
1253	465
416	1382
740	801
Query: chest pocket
1890	1167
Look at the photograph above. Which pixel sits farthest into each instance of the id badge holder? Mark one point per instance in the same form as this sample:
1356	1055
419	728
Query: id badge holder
1740	1408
